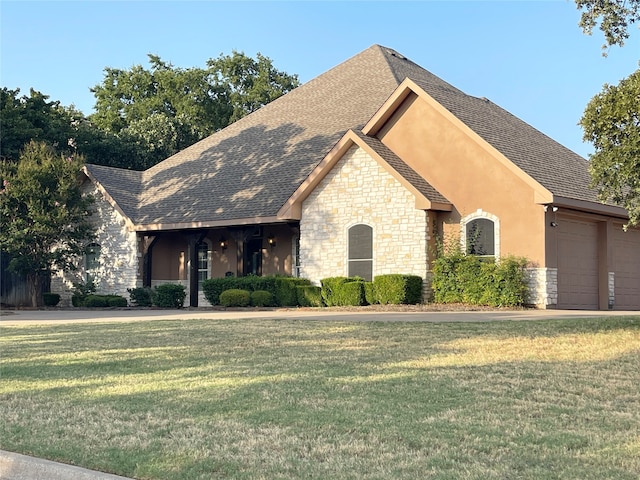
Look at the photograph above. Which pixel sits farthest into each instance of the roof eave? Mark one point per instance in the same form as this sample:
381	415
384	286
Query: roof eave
590	207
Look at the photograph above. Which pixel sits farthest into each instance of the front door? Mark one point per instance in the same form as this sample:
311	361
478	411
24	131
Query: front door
253	257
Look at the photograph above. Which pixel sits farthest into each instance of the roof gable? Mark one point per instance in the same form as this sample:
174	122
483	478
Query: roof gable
427	197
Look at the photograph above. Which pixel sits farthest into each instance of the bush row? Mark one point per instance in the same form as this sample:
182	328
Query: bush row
282	289
460	278
393	289
168	295
98	301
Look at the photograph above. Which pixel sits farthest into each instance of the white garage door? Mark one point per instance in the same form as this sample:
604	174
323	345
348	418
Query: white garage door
626	263
577	264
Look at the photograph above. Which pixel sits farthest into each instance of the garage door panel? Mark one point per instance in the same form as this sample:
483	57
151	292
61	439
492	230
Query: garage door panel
577	264
626	267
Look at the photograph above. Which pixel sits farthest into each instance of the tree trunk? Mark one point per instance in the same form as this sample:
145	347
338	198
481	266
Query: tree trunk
35	289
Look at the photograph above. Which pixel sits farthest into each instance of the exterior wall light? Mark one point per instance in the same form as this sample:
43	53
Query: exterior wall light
271	240
223	243
553	224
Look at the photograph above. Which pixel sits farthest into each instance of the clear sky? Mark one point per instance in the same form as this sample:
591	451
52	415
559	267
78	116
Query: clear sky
531	58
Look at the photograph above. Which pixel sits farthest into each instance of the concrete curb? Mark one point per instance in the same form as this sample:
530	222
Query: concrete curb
14	466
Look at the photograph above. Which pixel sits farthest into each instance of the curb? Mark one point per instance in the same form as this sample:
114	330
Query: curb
14	466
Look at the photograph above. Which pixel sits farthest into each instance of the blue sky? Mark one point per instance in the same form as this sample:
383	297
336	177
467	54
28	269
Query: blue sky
531	58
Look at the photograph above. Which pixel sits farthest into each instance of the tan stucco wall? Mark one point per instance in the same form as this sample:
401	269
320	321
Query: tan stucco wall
468	175
360	191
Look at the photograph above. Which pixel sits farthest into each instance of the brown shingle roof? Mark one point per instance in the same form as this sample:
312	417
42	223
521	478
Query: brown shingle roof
249	169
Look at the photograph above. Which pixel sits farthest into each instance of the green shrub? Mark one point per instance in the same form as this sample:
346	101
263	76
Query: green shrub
80	292
309	295
168	295
286	293
50	299
476	280
396	289
283	289
140	297
370	293
235	297
116	301
261	298
351	294
95	301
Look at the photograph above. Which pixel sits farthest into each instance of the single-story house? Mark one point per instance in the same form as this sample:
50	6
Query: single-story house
361	171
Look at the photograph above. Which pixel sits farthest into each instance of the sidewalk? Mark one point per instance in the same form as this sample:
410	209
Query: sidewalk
60	316
14	466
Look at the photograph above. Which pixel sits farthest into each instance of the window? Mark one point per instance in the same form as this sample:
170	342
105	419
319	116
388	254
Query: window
480	237
91	262
204	263
361	252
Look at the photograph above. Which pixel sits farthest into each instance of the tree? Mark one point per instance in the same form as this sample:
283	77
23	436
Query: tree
165	109
43	213
615	18
611	120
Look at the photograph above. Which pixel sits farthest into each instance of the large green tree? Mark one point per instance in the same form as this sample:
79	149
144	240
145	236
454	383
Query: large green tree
24	118
43	213
611	120
164	109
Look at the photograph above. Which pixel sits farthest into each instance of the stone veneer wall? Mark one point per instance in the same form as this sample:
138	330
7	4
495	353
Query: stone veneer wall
543	287
118	255
360	191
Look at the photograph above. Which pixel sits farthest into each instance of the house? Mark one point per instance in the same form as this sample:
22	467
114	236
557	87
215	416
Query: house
360	172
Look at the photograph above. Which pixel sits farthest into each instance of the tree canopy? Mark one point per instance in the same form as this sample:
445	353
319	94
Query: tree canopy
43	212
165	109
611	120
614	18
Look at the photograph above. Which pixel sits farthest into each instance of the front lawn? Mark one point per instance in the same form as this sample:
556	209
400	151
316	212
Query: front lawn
288	399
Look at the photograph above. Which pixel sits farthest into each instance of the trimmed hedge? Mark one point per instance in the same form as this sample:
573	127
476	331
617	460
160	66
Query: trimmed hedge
282	289
459	278
396	289
140	297
309	295
102	301
343	291
168	295
50	299
235	297
261	298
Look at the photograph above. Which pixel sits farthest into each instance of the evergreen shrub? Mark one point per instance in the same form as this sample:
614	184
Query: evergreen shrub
235	297
50	299
140	297
343	291
261	298
397	289
168	295
460	278
309	295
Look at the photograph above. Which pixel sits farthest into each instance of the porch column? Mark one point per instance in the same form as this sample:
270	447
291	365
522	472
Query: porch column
147	247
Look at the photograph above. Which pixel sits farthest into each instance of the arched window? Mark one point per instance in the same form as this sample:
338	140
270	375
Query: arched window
361	251
480	233
204	262
91	262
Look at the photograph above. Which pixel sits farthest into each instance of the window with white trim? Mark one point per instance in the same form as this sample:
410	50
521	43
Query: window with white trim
204	262
91	262
480	234
361	252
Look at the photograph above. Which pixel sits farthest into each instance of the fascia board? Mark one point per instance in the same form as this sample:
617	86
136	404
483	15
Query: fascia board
590	207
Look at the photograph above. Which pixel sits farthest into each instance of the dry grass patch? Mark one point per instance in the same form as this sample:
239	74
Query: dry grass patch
311	399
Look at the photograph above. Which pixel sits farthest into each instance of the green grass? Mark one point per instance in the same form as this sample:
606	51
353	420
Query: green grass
327	400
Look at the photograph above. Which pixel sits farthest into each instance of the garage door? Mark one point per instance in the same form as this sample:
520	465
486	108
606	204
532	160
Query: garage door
577	264
626	265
